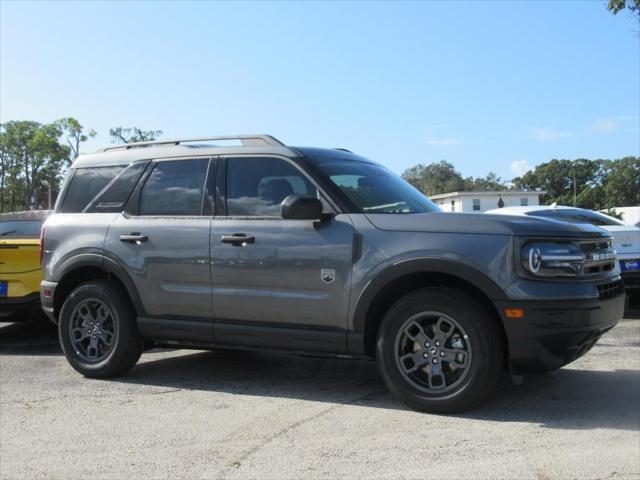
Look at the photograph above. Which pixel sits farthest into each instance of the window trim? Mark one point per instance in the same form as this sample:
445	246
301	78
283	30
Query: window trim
223	178
132	208
63	191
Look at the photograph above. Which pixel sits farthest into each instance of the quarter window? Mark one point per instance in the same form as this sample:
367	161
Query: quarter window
114	197
85	185
257	186
174	188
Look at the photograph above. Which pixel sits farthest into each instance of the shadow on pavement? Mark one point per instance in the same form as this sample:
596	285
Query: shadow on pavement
29	338
566	399
569	398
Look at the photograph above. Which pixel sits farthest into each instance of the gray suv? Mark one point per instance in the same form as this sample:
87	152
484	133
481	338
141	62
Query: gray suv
258	245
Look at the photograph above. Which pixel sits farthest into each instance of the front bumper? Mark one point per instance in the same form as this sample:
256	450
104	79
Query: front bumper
554	333
19	309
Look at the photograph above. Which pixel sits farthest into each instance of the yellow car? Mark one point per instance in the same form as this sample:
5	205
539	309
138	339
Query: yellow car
20	272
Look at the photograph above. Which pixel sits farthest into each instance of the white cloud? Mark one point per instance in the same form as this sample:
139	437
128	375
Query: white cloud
519	167
546	135
434	135
442	141
604	125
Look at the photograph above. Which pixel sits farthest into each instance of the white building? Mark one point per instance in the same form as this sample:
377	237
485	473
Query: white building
483	201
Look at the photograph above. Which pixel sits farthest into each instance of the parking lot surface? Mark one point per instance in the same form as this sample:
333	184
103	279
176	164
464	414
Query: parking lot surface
230	414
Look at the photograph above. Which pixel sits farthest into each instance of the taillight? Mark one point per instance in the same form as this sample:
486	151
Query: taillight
41	244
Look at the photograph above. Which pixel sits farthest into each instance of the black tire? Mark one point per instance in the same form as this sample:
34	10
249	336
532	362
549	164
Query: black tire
126	346
484	364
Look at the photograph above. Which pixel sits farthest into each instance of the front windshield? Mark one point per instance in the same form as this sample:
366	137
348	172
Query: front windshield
571	215
374	189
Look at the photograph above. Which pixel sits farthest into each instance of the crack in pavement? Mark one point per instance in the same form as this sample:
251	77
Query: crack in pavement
30	403
283	431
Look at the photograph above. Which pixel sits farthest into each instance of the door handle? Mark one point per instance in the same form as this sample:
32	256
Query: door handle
136	238
238	239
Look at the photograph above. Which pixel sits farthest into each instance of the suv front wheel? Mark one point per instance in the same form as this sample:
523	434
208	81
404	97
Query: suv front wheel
98	331
439	350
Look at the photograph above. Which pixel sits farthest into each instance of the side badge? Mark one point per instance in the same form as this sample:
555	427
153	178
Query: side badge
328	275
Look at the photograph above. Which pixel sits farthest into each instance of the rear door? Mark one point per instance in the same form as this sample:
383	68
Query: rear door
163	242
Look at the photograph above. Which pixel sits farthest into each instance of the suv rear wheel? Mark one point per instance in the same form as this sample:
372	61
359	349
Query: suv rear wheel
439	350
98	331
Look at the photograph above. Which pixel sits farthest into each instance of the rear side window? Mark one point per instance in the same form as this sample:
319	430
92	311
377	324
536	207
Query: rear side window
114	198
85	185
20	228
174	188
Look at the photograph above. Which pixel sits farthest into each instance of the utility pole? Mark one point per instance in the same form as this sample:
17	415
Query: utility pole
575	189
48	183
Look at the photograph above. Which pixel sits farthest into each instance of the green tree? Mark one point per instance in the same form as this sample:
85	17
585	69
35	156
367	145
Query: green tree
566	182
74	134
133	134
442	177
490	183
622	183
434	178
593	184
616	6
32	158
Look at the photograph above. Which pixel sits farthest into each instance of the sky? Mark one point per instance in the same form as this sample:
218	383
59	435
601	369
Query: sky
488	86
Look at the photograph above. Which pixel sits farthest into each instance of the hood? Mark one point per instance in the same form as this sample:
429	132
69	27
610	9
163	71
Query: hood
475	223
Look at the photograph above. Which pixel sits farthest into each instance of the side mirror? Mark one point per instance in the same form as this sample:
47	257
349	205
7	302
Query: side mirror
295	207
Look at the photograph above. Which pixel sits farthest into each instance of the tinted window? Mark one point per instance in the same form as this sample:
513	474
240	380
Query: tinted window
85	185
577	216
20	228
174	188
374	189
113	199
257	186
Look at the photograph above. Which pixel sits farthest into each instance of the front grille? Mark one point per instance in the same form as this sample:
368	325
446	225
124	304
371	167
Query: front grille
608	290
588	247
600	257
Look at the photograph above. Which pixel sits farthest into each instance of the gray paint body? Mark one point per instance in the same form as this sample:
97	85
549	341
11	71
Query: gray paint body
183	271
278	278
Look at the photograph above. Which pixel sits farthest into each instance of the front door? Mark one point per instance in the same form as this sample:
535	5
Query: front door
164	242
278	273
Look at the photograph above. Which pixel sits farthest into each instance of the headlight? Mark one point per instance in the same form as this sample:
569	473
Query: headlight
552	259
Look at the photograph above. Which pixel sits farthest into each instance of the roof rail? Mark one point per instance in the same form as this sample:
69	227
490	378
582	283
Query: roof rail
245	140
343	149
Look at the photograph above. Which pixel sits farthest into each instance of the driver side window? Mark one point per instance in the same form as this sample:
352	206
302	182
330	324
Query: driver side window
257	186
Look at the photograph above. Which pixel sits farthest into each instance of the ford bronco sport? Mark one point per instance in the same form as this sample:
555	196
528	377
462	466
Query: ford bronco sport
259	245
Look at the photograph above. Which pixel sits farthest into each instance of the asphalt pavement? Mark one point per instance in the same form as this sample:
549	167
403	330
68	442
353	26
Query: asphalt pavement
229	414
